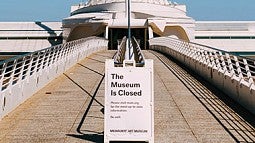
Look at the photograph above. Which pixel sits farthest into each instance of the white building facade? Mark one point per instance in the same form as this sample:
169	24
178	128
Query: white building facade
108	18
149	19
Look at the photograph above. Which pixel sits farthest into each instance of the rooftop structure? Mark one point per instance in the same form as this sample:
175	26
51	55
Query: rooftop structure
232	36
29	36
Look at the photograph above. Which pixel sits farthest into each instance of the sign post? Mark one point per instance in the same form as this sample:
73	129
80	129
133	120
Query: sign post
129	103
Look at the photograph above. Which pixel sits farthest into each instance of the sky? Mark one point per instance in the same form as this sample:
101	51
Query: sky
56	10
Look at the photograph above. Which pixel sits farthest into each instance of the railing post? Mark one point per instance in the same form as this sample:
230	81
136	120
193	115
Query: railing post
12	74
211	59
58	53
2	76
224	67
248	73
22	68
196	54
46	60
239	71
217	60
28	73
203	56
43	59
36	63
50	61
207	58
230	65
190	51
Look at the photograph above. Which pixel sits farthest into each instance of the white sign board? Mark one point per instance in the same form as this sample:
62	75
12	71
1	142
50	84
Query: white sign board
129	102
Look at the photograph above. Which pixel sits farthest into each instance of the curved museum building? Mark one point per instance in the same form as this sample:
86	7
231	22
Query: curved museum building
109	18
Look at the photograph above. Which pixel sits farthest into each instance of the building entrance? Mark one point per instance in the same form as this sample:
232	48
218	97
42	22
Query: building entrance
116	35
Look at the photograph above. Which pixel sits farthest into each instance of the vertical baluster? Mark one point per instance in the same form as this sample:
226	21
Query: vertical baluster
12	73
182	48
248	73
43	59
191	51
66	54
58	53
230	66
46	60
203	56
29	68
217	60
196	53
53	55
79	51
207	58
211	59
239	71
40	61
223	62
2	76
186	49
62	53
199	55
22	68
37	62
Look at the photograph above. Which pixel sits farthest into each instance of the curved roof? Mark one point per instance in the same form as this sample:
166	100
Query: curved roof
96	2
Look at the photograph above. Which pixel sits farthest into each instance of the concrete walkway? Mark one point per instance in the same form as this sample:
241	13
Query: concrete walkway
71	108
59	112
200	113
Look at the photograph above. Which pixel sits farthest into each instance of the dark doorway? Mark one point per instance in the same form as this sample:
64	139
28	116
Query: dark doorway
116	35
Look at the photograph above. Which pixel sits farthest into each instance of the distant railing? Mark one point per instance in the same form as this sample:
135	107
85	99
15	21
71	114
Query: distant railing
22	76
232	74
134	55
138	55
120	55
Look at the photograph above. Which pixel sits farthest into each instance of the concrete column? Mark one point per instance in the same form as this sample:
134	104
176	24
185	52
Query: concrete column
150	31
106	32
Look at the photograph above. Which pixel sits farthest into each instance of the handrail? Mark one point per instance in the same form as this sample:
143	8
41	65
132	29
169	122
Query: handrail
138	55
120	55
22	76
234	75
17	68
240	66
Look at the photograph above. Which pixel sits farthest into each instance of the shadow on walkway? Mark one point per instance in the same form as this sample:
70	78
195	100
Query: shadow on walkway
94	136
235	119
97	138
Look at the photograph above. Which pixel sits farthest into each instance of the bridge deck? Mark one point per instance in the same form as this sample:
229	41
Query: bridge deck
70	108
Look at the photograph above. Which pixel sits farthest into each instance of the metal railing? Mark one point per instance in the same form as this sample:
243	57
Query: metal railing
22	76
122	53
232	74
138	55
